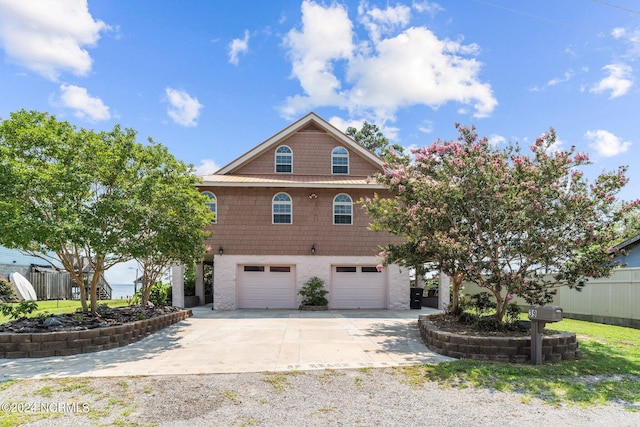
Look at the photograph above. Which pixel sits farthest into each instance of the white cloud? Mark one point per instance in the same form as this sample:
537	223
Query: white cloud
606	144
342	124
326	36
495	139
183	109
618	81
238	46
85	106
49	37
568	75
379	22
631	37
206	167
426	126
427	7
408	67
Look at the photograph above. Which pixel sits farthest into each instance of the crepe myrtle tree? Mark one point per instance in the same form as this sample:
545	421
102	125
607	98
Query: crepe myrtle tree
172	216
515	224
76	196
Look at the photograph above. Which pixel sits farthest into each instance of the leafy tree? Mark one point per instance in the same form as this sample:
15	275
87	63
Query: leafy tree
371	137
172	216
629	225
84	196
511	223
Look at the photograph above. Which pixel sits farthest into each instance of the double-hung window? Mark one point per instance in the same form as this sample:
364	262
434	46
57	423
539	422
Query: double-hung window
212	204
282	209
340	161
284	159
342	210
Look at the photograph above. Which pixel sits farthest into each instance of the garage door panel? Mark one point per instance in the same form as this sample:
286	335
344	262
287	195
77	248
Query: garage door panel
358	287
266	287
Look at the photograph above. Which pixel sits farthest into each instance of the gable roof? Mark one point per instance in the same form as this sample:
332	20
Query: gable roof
626	243
310	120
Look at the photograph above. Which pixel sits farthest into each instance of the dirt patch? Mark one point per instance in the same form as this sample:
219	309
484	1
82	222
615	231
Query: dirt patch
105	317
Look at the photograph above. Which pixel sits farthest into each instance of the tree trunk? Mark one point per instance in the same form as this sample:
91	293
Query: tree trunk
146	289
500	305
94	292
456	284
83	293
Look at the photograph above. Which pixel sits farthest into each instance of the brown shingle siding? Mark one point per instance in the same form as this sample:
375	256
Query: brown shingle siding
311	156
245	225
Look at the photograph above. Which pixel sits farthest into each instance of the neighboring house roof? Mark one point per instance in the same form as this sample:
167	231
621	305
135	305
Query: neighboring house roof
626	243
226	177
630	255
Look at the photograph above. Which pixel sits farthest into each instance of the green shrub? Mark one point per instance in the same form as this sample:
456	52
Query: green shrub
6	291
482	303
159	293
513	313
313	292
19	310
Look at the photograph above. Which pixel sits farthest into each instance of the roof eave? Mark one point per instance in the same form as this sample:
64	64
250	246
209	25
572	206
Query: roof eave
290	185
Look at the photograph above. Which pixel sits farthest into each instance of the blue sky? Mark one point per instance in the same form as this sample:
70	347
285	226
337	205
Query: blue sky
212	79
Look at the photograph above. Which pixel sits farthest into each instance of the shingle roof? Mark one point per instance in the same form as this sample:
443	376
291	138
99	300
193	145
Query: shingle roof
627	243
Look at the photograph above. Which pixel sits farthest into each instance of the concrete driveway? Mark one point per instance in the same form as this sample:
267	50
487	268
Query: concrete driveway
251	341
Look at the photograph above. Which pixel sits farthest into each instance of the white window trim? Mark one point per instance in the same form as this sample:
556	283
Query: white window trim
341	155
273	201
333	208
275	159
215	202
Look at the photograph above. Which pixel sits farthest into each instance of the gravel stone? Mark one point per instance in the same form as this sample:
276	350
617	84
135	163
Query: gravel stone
364	397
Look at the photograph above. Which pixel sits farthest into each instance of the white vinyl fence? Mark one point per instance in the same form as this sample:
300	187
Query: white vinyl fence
613	300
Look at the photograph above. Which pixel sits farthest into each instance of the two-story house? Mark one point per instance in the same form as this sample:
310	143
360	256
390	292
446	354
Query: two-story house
288	210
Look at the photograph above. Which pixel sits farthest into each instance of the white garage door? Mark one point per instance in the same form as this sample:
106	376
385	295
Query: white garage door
357	287
266	286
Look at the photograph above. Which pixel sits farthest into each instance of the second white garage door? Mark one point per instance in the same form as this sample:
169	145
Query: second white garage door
266	286
354	287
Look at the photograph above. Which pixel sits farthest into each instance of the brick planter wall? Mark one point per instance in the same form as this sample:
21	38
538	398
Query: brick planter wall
560	346
48	344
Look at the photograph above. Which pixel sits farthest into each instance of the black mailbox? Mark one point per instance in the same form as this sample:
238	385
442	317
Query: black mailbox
545	314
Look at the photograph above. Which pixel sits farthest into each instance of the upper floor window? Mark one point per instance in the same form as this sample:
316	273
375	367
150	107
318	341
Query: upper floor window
281	209
284	159
342	209
340	161
212	204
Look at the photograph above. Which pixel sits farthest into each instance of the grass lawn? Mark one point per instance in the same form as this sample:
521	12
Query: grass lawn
608	371
64	306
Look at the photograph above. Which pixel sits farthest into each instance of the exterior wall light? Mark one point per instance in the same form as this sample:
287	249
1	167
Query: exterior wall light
313	249
220	251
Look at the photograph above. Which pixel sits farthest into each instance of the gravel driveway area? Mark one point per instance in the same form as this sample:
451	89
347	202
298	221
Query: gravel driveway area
352	397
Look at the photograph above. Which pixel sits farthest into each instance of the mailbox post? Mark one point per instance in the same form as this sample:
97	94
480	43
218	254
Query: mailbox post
539	317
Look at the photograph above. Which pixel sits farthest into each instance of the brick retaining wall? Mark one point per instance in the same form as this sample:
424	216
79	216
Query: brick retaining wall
560	346
48	344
